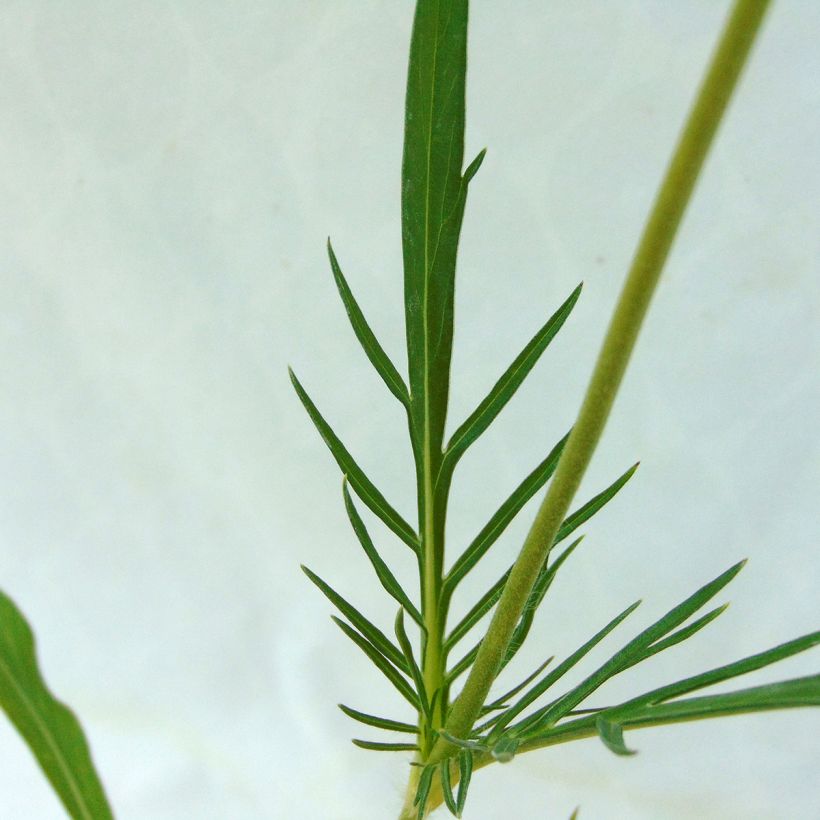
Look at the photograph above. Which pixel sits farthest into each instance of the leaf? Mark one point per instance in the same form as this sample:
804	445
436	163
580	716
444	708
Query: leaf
499	702
378	358
383	665
625	657
504	750
464	744
504	515
721	673
447	788
539	590
612	736
477	612
371	632
681	634
464	664
423	790
574	815
465	767
48	727
502	720
415	672
388	580
375	746
504	389
592	506
360	482
379	722
433	198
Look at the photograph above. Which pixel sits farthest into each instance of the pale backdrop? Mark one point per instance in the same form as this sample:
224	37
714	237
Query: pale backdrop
169	173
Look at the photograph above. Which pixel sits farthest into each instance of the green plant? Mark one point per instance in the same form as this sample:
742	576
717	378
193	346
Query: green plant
453	736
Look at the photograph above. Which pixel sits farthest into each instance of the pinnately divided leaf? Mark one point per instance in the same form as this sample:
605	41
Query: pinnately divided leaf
504	389
388	580
378	358
361	483
50	729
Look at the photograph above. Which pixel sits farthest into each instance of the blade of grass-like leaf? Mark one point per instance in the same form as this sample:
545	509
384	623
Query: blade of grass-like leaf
379	722
378	358
383	665
465	768
583	514
48	727
501	702
504	389
477	612
624	658
540	589
446	787
732	670
388	580
369	630
407	649
500	721
376	746
681	635
612	736
423	791
363	486
503	516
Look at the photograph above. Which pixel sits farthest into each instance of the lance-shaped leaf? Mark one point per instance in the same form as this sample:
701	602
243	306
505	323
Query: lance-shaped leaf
612	736
368	629
415	672
500	721
433	197
447	787
50	729
465	770
383	572
504	515
504	389
732	670
539	590
379	722
423	790
625	657
378	358
381	663
361	483
376	746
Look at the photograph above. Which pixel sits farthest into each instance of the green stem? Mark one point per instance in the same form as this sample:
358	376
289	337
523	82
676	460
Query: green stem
659	233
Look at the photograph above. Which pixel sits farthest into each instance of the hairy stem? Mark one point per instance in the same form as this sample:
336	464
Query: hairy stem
659	233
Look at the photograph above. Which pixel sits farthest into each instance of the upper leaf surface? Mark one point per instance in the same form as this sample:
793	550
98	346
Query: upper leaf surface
48	727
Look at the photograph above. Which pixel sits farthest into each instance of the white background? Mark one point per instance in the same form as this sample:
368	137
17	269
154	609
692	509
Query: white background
169	173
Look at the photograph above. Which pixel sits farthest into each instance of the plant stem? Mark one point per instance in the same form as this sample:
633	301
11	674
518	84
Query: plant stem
659	233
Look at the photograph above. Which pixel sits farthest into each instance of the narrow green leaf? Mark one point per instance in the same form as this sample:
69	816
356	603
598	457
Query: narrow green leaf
721	673
681	634
539	590
378	358
500	721
376	746
625	657
592	506
469	745
371	632
423	790
465	767
415	672
504	515
476	612
463	665
447	787
379	722
388	580
433	198
574	815
504	389
361	483
381	663
48	727
472	169
612	736
791	694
